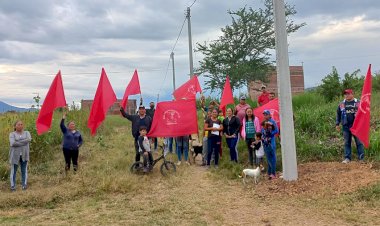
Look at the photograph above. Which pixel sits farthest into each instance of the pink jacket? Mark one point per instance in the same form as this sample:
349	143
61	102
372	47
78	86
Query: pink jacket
256	122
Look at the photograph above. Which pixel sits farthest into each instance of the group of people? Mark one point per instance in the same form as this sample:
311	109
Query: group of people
239	124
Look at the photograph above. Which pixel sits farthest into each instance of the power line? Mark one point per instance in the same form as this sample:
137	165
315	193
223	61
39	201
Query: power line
175	44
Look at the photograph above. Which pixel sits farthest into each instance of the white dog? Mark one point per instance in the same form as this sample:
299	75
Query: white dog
255	173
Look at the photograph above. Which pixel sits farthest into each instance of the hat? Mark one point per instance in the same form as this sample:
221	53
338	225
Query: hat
348	91
266	112
263	86
242	97
142	106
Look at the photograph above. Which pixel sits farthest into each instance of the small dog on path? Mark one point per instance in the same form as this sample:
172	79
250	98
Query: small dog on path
254	173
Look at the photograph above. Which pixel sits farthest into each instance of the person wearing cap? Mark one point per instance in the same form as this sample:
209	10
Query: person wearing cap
139	120
150	113
345	115
269	130
264	97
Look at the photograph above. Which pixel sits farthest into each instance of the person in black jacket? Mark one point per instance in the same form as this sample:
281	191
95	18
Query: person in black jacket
137	121
150	113
72	140
231	128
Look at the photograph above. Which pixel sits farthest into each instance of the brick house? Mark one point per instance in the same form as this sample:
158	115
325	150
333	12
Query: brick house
114	109
296	81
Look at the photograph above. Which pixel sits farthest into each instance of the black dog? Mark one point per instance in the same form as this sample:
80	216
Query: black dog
197	150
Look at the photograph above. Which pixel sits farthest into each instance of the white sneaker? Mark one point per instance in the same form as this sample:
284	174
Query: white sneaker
178	163
345	161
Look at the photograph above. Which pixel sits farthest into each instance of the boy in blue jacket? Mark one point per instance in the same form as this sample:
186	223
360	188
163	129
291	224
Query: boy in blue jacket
269	130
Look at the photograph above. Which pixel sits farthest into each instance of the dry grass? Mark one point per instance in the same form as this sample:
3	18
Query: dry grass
104	192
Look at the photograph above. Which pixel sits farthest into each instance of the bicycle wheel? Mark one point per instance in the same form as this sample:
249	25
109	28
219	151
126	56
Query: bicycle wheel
167	168
137	167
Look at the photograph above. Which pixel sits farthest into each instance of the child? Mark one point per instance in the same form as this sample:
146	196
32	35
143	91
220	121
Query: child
258	147
268	132
144	149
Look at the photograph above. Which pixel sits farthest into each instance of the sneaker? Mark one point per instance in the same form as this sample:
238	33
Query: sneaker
208	167
178	163
146	170
188	163
345	161
272	176
13	189
216	167
24	187
361	161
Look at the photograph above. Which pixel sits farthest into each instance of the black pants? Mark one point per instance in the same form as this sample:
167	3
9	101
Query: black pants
137	157
251	152
71	155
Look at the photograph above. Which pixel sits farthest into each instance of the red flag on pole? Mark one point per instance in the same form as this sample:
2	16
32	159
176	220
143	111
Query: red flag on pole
132	88
55	98
174	118
105	97
227	97
188	90
272	106
361	126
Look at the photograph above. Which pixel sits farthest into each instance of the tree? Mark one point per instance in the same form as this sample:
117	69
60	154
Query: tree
353	81
242	52
376	81
331	86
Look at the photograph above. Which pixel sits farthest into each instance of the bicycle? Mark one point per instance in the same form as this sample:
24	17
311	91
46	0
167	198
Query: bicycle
167	167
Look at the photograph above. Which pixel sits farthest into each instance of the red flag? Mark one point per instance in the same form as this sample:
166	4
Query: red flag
105	97
361	127
132	88
227	97
174	118
272	106
188	90
55	98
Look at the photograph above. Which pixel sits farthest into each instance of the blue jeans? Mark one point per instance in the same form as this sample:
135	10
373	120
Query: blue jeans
204	150
182	144
170	144
231	143
213	146
24	173
270	153
347	135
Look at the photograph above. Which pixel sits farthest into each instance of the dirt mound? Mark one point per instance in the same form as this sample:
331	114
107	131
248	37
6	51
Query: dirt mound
322	179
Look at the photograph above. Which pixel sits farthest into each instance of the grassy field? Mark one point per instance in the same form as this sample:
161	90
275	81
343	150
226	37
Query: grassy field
104	192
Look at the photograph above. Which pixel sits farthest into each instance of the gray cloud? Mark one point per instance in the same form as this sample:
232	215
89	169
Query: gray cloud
79	37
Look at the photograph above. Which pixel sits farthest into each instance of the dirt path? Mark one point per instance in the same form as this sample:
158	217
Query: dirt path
196	197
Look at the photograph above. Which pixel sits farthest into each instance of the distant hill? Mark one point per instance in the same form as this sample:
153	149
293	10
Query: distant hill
4	107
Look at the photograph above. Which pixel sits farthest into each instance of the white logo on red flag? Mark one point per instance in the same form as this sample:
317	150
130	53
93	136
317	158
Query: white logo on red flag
171	117
275	115
365	105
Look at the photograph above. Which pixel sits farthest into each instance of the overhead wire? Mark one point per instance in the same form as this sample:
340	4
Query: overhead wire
175	44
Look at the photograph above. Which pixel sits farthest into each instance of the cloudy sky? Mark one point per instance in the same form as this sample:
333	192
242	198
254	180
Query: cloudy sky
40	37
